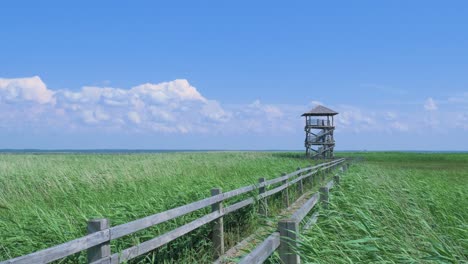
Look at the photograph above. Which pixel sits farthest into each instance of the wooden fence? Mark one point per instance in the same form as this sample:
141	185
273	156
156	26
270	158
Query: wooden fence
100	233
286	238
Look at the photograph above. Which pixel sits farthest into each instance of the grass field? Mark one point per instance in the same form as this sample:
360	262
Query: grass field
391	207
46	199
396	208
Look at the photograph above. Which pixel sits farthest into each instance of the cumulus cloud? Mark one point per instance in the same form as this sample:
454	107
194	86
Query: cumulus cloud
430	104
355	119
31	89
174	106
178	107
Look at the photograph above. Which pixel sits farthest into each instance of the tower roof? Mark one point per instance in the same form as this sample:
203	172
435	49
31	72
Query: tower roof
320	110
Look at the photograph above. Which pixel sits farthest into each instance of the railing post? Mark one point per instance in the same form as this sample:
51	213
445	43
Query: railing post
300	185
336	179
288	229
324	191
218	227
100	251
263	206
285	192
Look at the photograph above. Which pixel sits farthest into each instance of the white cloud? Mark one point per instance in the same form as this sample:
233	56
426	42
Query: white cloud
214	111
173	106
179	90
178	107
355	119
430	104
31	89
134	117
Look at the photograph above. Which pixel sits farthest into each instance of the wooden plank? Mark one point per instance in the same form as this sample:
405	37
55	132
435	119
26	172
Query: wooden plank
276	180
102	250
305	208
156	242
134	226
239	205
272	191
299	179
62	250
287	176
262	251
239	191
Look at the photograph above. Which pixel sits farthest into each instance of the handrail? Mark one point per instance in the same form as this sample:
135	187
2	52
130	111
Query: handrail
276	240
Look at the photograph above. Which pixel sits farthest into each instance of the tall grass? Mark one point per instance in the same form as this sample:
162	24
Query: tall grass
46	199
395	208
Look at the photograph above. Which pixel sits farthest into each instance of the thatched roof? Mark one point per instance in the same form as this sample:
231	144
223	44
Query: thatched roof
320	110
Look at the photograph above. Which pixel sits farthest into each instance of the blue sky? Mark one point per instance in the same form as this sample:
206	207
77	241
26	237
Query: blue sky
237	75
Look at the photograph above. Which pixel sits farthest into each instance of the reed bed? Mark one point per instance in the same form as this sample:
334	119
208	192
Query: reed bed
395	208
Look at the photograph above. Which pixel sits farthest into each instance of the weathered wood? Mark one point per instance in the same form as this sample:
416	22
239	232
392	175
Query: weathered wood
273	191
218	227
324	196
62	250
156	242
137	225
238	205
287	176
262	251
300	186
285	192
263	205
239	191
305	208
102	250
288	229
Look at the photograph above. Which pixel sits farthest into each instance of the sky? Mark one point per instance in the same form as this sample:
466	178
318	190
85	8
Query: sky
232	74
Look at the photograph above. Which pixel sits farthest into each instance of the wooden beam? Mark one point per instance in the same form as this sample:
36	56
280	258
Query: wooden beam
263	206
218	227
102	250
288	229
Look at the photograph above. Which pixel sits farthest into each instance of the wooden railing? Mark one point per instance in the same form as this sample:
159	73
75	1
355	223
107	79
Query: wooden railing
97	242
285	240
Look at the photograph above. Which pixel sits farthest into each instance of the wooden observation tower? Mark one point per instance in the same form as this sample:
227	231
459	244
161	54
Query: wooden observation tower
319	127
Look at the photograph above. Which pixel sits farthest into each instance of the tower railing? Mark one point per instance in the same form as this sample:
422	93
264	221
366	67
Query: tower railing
318	122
